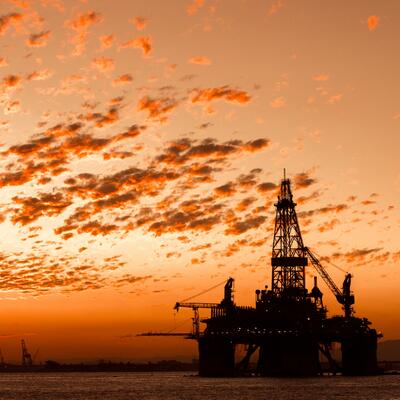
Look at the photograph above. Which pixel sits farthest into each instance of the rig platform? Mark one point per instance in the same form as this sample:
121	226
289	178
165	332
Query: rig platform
288	327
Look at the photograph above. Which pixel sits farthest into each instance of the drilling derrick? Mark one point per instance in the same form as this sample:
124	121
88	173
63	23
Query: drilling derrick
288	255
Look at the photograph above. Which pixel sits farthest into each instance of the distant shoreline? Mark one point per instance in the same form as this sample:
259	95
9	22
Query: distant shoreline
54	366
387	367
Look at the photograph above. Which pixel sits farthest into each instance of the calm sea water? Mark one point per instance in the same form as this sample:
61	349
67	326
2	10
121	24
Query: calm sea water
168	386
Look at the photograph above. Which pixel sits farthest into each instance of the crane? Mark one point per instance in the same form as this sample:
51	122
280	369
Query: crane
26	356
226	302
344	296
216	309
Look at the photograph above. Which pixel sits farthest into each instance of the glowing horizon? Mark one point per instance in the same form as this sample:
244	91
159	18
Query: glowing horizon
142	149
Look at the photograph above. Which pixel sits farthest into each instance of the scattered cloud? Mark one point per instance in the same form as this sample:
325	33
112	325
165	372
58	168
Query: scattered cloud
275	6
123	79
199	60
103	64
56	4
157	109
80	25
40	75
106	41
303	180
139	22
194	6
278	102
143	43
38	39
10	20
334	99
217	93
321	77
373	22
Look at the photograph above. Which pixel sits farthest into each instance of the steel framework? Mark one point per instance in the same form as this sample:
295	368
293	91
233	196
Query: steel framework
288	255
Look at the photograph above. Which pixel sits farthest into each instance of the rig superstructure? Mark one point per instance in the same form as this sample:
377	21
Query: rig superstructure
288	326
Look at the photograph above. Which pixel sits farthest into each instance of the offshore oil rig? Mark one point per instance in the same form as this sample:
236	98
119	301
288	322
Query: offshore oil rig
289	326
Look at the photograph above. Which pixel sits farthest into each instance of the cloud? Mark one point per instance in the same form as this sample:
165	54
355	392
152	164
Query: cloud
356	255
237	227
32	208
178	221
327	226
247	181
39	75
12	107
106	41
334	99
103	64
128	279
226	190
51	152
194	6
244	204
10	82
324	210
123	79
10	20
157	109
223	92
57	4
38	39
303	180
40	273
184	150
80	26
278	102
321	77
266	187
275	7
139	22
143	43
373	22
199	60
96	228
256	145
103	119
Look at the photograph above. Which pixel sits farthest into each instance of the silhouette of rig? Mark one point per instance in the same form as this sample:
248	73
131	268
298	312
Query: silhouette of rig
288	326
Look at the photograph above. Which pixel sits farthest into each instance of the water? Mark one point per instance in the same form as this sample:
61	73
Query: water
168	386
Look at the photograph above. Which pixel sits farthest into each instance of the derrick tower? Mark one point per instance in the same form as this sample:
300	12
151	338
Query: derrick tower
288	253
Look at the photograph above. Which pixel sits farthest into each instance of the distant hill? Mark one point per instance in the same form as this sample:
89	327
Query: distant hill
389	350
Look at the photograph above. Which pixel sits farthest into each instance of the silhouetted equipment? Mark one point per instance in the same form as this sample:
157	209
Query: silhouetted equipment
26	356
288	326
344	297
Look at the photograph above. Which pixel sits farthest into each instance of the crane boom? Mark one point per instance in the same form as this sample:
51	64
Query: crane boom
324	275
179	305
344	296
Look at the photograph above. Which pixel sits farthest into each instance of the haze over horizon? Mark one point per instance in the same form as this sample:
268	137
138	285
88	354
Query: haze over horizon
142	147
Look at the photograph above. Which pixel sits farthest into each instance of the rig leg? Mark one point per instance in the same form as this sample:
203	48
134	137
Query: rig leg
216	357
359	355
289	356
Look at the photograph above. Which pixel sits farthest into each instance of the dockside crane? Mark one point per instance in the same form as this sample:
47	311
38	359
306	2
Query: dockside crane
27	360
344	296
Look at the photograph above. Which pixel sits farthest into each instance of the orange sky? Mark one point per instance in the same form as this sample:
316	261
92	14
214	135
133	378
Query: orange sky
142	144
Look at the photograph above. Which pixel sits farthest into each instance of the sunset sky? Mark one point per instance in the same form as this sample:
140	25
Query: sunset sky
142	145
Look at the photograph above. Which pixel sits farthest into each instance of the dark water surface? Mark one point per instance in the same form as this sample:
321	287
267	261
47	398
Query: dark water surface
167	386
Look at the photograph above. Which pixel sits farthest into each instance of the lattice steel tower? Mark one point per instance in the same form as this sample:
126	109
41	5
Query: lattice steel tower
288	254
